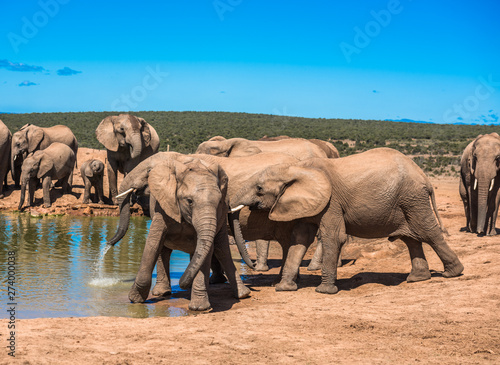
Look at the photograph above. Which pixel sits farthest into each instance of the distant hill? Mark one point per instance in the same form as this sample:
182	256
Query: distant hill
435	147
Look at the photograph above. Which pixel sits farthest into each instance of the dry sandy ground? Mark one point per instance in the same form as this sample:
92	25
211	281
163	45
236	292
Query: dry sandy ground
376	318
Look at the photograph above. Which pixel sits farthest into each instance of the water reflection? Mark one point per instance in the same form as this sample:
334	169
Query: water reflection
56	258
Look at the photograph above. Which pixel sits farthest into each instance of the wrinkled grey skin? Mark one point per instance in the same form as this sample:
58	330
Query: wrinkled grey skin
55	162
374	194
92	172
480	183
5	145
128	141
190	214
31	138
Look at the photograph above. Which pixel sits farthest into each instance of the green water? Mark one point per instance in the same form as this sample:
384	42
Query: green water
57	269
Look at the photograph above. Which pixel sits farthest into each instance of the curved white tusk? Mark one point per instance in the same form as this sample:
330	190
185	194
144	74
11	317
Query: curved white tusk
239	207
124	193
475	184
15	157
492	184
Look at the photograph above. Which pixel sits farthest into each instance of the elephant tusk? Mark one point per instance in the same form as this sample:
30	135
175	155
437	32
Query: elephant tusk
492	184
239	207
125	193
475	184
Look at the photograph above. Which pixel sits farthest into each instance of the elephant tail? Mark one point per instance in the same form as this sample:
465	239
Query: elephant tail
432	195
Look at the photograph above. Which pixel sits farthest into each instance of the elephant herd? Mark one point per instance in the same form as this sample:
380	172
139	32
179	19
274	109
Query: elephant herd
291	190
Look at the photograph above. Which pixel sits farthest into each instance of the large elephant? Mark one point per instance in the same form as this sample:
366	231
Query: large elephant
55	162
374	194
92	172
5	146
31	138
300	148
480	183
128	140
190	214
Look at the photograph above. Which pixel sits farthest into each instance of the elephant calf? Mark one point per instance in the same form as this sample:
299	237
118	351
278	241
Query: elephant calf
55	162
92	172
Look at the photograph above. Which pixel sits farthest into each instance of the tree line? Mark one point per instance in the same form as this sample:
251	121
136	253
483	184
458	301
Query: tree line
435	147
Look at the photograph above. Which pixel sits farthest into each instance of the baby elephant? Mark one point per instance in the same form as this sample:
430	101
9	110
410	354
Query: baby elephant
92	175
55	162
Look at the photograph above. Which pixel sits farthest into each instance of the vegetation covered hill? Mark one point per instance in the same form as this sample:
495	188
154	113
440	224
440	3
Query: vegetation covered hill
435	147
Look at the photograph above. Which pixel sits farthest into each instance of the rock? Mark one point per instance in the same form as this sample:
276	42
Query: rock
88	211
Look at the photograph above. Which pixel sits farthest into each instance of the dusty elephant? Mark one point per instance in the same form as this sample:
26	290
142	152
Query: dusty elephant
128	141
92	172
329	149
190	214
55	162
239	147
374	194
480	183
5	146
31	138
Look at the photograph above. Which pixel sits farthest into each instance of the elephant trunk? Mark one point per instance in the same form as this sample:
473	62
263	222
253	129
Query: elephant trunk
205	225
124	204
234	223
482	205
23	192
135	145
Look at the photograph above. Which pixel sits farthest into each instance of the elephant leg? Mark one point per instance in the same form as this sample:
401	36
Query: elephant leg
493	230
302	237
32	188
112	167
163	286
217	276
100	191
466	201
86	193
419	266
223	254
157	231
199	296
317	259
333	237
46	191
285	248
262	248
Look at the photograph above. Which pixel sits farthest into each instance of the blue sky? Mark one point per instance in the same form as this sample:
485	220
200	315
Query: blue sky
420	59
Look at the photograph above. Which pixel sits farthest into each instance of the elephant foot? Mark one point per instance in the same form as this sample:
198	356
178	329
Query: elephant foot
418	276
453	270
85	201
259	266
100	202
138	294
47	205
243	292
314	265
161	290
217	278
493	232
199	304
286	286
2	196
327	289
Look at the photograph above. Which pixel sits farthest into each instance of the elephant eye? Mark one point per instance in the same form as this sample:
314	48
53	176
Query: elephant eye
260	191
190	201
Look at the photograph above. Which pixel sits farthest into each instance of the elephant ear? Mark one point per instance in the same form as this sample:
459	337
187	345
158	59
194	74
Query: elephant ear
306	192
105	134
34	136
243	147
45	166
88	170
145	131
162	183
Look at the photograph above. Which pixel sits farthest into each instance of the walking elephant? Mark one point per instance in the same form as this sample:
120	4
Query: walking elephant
480	183
92	172
31	138
55	162
299	148
374	194
5	146
190	214
128	140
